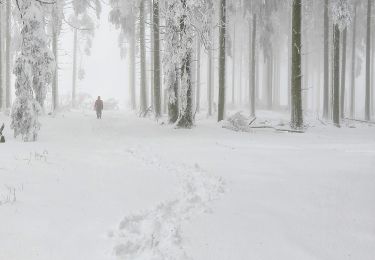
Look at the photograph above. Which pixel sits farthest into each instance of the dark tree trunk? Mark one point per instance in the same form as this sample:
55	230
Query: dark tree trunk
157	88
368	61
343	74
336	76
253	64
296	97
222	61
326	62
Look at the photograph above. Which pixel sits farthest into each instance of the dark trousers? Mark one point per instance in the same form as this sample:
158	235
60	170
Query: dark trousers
99	114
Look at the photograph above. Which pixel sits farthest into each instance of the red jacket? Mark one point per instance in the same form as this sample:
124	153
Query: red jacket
98	105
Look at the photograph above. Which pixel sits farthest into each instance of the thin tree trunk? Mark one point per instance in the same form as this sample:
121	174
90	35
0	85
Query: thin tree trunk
210	80
132	68
74	86
336	76
368	62
253	65
143	90
55	97
198	96
222	61
233	64
353	76
343	74
152	53
296	97
1	59
157	87
7	55
326	62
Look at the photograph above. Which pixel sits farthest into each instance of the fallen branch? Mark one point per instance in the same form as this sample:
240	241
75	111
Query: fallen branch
361	121
277	129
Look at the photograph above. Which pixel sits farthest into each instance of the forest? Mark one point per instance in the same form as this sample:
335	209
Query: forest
234	129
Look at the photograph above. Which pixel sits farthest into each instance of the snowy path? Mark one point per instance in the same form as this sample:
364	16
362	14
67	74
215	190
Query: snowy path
156	233
287	196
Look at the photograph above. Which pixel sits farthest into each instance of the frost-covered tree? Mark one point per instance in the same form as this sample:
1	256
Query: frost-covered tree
33	69
124	15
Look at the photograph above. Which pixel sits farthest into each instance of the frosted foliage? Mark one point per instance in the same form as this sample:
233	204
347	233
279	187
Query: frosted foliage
33	69
195	15
341	13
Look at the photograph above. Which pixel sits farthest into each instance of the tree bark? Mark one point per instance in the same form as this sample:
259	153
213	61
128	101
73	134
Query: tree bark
74	83
55	98
1	59
210	79
343	74
253	65
353	76
336	76
132	67
326	62
7	56
368	61
296	97
157	87
233	64
222	60
198	94
143	90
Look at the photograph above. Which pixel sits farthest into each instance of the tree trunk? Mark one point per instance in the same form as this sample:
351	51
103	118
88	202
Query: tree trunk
210	79
353	76
186	115
132	68
198	96
253	64
233	64
336	76
74	85
55	97
326	62
7	56
343	74
1	59
296	97
222	57
368	60
157	87
143	90
173	105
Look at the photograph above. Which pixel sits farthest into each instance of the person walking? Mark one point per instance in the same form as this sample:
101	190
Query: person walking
98	108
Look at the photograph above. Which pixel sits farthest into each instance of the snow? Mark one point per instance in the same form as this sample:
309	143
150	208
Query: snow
130	188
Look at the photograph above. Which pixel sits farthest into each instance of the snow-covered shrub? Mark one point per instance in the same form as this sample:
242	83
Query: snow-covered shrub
237	122
33	69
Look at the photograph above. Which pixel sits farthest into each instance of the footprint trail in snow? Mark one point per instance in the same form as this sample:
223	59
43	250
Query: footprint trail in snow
156	234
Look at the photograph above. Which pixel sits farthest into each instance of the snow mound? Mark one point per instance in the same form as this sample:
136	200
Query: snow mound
237	122
157	233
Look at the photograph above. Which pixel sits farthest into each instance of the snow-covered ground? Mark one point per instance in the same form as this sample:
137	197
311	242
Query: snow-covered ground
129	188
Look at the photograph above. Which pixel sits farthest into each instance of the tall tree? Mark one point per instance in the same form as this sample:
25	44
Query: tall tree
336	75
222	60
343	74
7	54
156	53
353	63
1	57
142	45
296	96
368	62
326	61
253	65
